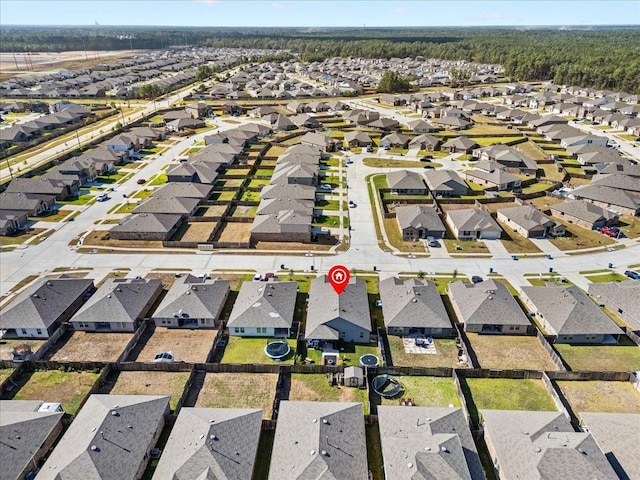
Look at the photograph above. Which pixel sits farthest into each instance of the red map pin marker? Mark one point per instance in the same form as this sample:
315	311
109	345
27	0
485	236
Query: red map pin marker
339	278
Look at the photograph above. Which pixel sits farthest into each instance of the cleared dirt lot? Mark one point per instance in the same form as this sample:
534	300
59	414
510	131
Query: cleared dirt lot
239	390
151	383
611	397
93	347
195	232
235	232
186	345
214	211
510	352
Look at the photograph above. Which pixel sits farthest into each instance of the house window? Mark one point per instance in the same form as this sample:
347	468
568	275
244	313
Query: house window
361	334
239	329
261	329
343	334
24	331
39	331
511	327
202	321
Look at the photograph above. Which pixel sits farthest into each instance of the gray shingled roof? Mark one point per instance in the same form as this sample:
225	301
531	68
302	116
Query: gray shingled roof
319	440
543	445
276	205
583	210
325	306
192	297
260	304
473	219
184	189
497	177
623	294
23	430
412	303
613	196
527	216
211	443
442	179
180	205
419	216
618	435
41	304
570	311
488	302
121	440
147	223
426	443
304	192
623	182
405	180
120	300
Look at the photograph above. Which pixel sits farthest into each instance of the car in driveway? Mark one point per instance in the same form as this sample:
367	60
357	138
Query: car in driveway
326	187
426	158
476	279
632	274
141	181
352	204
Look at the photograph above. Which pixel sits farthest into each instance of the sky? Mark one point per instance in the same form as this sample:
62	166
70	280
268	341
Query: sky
312	13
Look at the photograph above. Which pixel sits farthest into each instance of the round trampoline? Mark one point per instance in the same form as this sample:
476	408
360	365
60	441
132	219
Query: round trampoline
277	349
369	360
386	386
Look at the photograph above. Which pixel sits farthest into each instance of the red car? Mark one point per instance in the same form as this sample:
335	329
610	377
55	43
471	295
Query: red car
141	181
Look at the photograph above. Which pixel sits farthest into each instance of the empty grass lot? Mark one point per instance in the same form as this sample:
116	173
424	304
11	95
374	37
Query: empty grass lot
505	394
186	345
239	390
152	383
93	347
508	352
425	392
316	388
598	396
251	350
516	243
446	354
624	357
67	388
465	246
578	237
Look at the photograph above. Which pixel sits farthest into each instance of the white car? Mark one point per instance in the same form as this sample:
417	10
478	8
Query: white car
325	186
164	357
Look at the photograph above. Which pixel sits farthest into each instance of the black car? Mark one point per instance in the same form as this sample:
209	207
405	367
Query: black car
632	274
476	279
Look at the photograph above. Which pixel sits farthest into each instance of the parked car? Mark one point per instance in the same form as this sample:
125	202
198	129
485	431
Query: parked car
369	148
352	204
632	274
476	279
349	161
103	197
164	357
426	158
326	187
432	242
141	181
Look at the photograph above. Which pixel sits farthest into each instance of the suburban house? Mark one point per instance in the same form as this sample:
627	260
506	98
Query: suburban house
208	443
459	145
585	214
198	171
488	307
319	440
183	206
567	313
43	186
621	298
530	222
405	182
427	443
147	226
119	305
334	317
319	141
425	142
40	309
510	158
12	221
622	182
617	435
534	444
109	439
288	190
473	223
200	191
494	178
192	302
445	183
274	206
414	307
263	309
32	204
27	436
284	226
419	221
357	138
625	203
420	126
394	140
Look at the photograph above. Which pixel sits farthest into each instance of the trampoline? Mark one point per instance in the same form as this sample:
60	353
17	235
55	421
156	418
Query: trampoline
277	349
386	386
369	360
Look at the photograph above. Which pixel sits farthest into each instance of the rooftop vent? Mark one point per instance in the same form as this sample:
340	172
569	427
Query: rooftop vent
324	453
94	448
325	421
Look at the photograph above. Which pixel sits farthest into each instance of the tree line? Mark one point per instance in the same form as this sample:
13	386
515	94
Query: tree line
602	58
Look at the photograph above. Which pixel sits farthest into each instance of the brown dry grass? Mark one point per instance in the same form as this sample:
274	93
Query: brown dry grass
194	232
215	211
235	232
510	352
166	278
6	347
611	397
543	203
152	383
239	390
93	347
97	238
446	354
186	345
319	246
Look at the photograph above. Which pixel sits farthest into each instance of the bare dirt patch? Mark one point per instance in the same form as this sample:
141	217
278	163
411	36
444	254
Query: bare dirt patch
152	383
611	397
195	232
186	345
214	211
510	352
7	346
235	232
239	390
93	347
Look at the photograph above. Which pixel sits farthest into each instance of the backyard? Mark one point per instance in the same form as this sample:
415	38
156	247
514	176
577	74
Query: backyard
251	350
66	388
316	388
624	357
446	354
510	352
92	347
8	344
424	392
350	353
598	396
152	383
239	390
187	345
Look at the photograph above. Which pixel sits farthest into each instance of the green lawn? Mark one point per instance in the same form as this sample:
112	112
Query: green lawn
505	394
55	216
425	392
327	221
465	246
599	396
126	208
316	388
328	204
624	357
263	172
82	199
251	350
607	277
158	180
67	388
446	354
247	196
350	353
